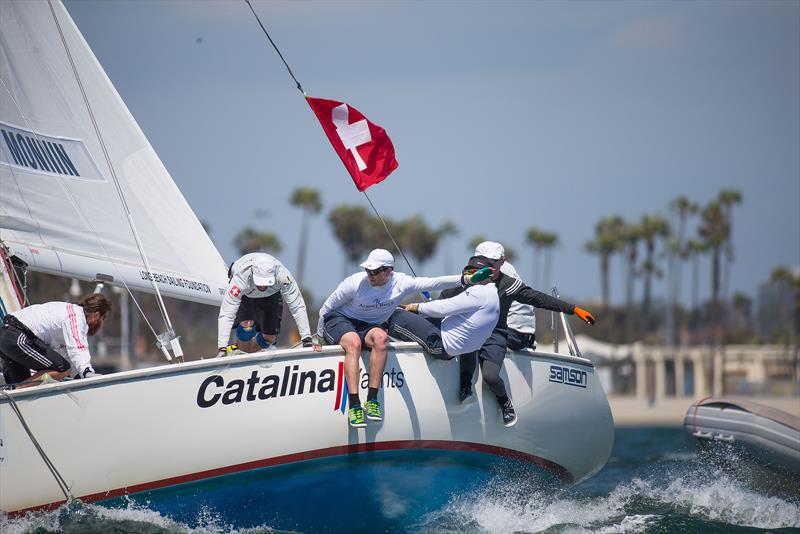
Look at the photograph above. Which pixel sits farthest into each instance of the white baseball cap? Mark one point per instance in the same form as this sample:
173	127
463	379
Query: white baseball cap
263	274
378	258
491	250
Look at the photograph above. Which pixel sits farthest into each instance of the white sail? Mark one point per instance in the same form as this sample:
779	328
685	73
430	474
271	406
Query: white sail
67	143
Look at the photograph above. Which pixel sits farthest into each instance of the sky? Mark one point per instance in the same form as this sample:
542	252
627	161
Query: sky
504	116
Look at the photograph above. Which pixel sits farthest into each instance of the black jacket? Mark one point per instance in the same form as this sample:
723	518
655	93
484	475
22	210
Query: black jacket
510	289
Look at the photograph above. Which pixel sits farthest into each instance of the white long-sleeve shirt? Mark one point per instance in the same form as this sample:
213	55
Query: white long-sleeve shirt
357	299
241	284
63	327
521	317
467	319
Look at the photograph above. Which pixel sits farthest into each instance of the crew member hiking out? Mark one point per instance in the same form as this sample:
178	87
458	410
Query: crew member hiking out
257	287
448	327
355	315
50	339
493	351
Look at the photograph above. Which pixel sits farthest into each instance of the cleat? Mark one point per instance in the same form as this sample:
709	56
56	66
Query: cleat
509	415
374	410
465	393
357	417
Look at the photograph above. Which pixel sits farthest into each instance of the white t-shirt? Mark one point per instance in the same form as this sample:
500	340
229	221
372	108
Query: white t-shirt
241	284
357	299
63	327
468	318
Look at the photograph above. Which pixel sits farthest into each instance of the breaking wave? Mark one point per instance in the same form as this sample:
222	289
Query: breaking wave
661	502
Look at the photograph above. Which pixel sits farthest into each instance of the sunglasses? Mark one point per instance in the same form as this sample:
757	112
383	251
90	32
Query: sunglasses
375	272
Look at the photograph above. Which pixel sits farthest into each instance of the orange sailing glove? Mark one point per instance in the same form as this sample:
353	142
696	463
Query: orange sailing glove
583	314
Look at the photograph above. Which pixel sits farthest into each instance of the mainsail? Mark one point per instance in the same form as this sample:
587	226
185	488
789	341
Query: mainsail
75	169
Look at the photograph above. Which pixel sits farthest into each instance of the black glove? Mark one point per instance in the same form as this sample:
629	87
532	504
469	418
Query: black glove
307	341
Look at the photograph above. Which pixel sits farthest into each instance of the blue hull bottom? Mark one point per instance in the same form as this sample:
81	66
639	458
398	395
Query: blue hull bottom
376	491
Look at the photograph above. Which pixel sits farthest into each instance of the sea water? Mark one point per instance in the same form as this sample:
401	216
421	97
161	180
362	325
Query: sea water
655	481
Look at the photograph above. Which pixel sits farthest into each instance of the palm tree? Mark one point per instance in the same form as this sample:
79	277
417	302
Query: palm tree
604	244
693	249
251	240
415	236
351	225
683	208
728	198
446	230
715	230
309	201
549	242
629	243
676	253
792	280
651	228
534	237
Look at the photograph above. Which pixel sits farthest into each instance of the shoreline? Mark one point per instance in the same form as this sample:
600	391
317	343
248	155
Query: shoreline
634	411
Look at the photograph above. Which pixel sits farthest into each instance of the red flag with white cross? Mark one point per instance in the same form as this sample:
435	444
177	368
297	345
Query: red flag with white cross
363	147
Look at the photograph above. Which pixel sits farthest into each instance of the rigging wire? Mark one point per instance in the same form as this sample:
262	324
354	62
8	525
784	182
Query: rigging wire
62	484
300	88
137	239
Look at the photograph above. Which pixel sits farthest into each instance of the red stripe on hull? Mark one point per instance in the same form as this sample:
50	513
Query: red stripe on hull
563	475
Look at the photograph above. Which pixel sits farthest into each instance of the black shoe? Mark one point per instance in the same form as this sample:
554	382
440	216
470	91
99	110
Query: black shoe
509	415
465	393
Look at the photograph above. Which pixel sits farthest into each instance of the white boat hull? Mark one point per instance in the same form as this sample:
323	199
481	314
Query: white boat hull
152	428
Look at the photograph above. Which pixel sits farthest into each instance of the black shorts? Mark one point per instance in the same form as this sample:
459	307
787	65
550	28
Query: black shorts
337	325
265	311
494	349
518	340
22	352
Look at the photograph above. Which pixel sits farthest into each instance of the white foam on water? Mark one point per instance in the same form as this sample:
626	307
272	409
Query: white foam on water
501	508
632	507
208	521
717	497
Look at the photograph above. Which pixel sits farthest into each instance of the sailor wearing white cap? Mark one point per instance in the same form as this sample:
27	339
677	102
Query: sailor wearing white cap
493	351
521	317
258	286
355	316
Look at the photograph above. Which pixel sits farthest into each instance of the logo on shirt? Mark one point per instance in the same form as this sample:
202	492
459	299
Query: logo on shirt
235	291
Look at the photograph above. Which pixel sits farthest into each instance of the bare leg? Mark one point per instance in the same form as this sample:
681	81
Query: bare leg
351	344
377	339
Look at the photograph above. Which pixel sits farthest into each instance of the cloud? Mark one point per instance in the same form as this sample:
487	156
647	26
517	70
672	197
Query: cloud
651	33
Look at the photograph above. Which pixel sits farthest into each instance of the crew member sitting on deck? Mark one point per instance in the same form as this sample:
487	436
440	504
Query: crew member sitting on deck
258	285
51	340
448	327
355	315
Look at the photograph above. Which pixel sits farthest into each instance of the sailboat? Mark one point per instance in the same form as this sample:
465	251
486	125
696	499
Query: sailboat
84	195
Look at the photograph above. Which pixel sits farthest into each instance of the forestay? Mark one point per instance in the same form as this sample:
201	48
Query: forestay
66	136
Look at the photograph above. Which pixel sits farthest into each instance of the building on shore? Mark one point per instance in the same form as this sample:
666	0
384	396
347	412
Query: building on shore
657	372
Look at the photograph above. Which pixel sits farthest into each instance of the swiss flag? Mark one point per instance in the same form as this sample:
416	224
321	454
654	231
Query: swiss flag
363	147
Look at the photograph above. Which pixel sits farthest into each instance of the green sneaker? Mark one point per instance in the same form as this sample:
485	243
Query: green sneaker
357	417
374	410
